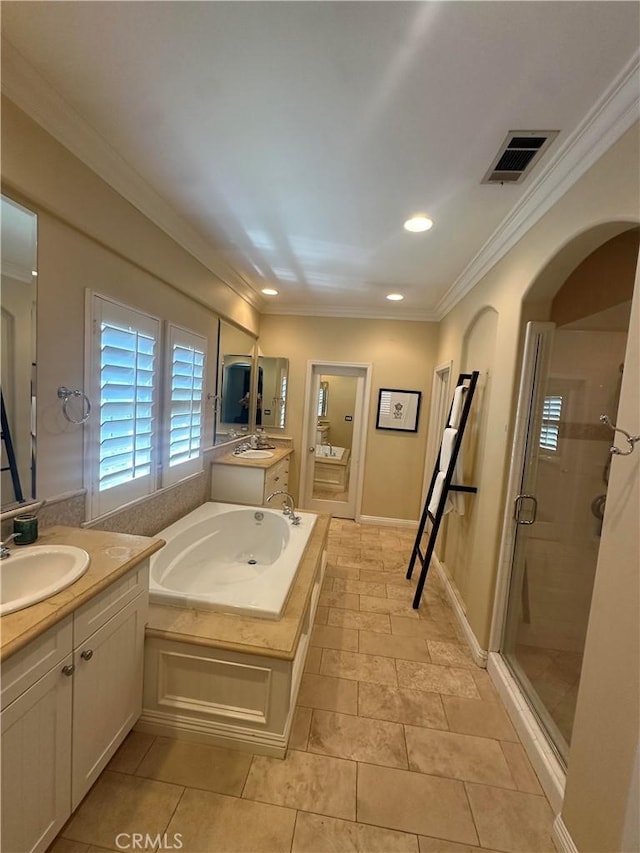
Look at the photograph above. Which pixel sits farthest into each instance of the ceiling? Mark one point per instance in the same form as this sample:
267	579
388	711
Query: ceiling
285	143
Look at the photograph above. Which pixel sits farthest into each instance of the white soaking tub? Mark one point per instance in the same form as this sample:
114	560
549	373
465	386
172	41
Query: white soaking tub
231	558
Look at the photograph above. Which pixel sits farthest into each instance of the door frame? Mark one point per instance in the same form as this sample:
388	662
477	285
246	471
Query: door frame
360	436
439	410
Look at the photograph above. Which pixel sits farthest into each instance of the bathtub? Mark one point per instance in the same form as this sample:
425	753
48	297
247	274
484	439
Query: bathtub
325	451
231	558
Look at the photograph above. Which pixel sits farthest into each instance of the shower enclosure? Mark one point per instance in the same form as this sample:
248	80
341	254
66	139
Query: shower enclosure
572	376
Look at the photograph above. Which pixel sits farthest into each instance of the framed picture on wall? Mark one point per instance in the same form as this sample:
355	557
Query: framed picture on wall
398	410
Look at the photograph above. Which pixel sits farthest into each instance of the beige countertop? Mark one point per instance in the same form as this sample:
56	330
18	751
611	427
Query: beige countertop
111	556
266	637
229	459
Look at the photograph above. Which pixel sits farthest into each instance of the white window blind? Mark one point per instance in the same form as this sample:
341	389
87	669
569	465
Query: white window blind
283	401
123	379
550	427
185	387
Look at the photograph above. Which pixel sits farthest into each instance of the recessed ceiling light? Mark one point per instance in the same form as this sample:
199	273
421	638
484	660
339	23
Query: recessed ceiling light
418	223
269	291
395	297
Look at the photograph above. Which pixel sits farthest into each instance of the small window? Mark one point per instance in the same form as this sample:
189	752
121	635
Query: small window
323	400
123	379
550	427
283	401
185	383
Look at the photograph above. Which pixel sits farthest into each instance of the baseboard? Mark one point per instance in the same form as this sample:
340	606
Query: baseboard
550	772
562	838
479	654
208	731
387	522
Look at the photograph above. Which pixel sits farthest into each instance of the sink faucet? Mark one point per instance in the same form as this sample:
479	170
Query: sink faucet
289	508
330	446
4	546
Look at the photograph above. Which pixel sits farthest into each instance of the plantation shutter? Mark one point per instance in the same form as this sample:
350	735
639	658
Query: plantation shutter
550	427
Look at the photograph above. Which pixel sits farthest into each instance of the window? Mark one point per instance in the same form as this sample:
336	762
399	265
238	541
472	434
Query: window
185	382
123	379
323	400
550	427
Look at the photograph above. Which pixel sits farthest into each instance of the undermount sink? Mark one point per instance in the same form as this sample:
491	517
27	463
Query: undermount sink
36	572
256	454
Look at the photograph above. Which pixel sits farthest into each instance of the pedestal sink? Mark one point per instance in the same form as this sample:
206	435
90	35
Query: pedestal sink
36	572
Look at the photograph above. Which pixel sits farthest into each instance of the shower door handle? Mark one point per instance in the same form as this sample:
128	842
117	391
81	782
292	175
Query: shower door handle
517	505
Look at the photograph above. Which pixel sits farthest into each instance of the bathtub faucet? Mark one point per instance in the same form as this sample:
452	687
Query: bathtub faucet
289	508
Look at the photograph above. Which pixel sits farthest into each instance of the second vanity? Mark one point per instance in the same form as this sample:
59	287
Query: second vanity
235	479
71	684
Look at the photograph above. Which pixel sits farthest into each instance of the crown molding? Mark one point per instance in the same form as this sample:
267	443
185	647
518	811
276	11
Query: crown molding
612	115
351	313
32	93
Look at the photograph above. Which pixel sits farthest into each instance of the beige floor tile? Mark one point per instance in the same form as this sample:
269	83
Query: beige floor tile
196	765
401	705
131	752
477	717
410	802
437	845
314	656
317	783
395	579
322	614
402	591
318	834
122	803
407	627
358	738
437	679
450	654
521	769
362	561
408	648
511	820
335	571
485	686
359	621
66	845
218	824
360	587
330	637
328	693
299	737
466	757
388	605
358	666
340	599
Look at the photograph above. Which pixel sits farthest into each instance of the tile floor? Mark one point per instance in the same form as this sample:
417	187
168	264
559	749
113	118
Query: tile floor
400	742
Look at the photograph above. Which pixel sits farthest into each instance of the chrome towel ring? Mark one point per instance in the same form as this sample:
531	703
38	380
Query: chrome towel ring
65	395
631	439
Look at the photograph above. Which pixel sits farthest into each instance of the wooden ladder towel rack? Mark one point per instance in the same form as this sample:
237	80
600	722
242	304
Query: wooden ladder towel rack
468	382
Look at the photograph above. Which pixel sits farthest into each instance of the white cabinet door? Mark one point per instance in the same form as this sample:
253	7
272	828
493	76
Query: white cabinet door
107	693
36	763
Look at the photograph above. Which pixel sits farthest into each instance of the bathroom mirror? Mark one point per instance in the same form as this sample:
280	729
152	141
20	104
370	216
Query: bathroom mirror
19	301
235	383
271	401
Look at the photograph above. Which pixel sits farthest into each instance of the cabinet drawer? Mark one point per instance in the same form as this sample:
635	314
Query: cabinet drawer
24	668
100	609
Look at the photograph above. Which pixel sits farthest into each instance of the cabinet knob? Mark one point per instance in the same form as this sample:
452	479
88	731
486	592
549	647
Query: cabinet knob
68	669
87	654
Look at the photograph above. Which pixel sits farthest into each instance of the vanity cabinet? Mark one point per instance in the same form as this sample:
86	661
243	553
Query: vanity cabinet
243	483
68	700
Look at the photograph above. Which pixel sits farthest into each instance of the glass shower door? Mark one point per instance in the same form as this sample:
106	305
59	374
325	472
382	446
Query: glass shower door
557	517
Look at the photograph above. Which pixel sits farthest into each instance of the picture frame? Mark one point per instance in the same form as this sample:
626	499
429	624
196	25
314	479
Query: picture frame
398	410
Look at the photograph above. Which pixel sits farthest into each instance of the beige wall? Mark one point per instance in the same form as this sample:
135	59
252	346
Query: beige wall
402	356
341	402
90	237
608	192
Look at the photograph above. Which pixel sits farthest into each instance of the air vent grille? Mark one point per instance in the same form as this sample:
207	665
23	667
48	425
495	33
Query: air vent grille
517	154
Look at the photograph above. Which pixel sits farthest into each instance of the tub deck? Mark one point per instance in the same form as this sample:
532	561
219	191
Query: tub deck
246	634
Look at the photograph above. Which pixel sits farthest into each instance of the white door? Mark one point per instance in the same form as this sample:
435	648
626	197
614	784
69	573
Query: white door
334	438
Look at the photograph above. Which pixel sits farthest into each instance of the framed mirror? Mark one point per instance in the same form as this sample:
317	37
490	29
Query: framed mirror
19	308
271	401
235	384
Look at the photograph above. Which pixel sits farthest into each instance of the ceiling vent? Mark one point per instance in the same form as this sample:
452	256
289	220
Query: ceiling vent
517	155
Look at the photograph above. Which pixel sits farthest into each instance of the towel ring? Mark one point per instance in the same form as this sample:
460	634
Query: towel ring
65	395
631	439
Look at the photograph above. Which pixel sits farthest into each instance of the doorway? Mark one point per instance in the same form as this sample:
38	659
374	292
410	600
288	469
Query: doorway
336	402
